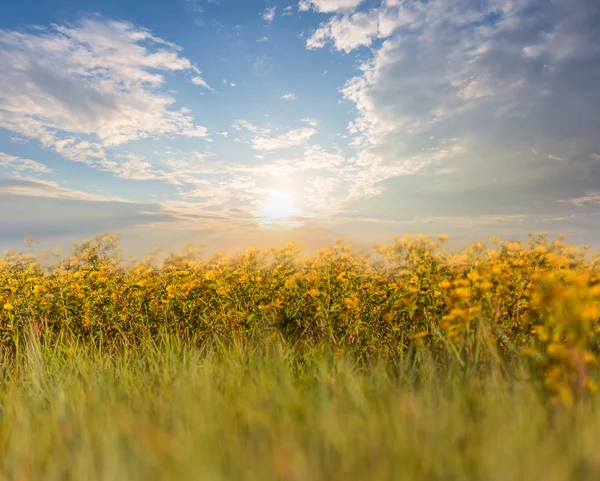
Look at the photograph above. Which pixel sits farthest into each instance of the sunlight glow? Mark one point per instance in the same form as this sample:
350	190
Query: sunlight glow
279	208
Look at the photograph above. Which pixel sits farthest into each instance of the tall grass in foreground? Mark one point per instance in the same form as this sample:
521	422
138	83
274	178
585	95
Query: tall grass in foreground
164	410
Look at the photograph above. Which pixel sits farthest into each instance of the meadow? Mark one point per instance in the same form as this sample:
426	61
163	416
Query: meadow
413	363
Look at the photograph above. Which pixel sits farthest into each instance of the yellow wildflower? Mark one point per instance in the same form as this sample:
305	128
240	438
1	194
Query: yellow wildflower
352	302
462	292
474	276
591	312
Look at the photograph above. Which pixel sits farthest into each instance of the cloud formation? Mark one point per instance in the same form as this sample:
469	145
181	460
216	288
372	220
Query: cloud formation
289	139
18	165
48	189
269	14
96	78
487	98
264	139
328	6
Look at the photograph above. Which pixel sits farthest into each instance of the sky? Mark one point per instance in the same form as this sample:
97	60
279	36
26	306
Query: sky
238	123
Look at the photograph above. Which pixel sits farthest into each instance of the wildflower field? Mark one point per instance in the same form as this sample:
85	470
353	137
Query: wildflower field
412	363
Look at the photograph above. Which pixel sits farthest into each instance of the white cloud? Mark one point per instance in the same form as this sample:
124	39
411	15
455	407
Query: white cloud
496	77
346	32
194	215
592	197
311	122
262	39
17	164
239	125
197	80
287	11
134	167
289	96
353	30
269	14
289	139
39	188
477	221
214	193
315	157
321	196
98	78
125	165
327	6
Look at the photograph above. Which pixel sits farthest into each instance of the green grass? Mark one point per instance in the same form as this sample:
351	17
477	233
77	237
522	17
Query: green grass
166	411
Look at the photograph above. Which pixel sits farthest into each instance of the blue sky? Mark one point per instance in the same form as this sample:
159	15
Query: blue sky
239	123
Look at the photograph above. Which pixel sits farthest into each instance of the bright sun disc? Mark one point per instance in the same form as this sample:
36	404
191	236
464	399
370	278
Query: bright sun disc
278	207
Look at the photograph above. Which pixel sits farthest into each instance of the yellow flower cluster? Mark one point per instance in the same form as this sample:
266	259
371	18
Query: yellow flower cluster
540	299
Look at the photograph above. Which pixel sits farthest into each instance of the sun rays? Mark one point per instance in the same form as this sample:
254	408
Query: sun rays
279	208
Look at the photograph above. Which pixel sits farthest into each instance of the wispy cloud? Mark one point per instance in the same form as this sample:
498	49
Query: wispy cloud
17	164
289	139
269	14
97	77
41	188
197	80
311	122
240	125
592	197
326	6
289	96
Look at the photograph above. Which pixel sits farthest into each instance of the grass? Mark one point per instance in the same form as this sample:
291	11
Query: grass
165	410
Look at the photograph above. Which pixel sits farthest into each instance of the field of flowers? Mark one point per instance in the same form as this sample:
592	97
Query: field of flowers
517	319
475	307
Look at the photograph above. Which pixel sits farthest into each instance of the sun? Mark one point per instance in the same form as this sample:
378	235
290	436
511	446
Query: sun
279	208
